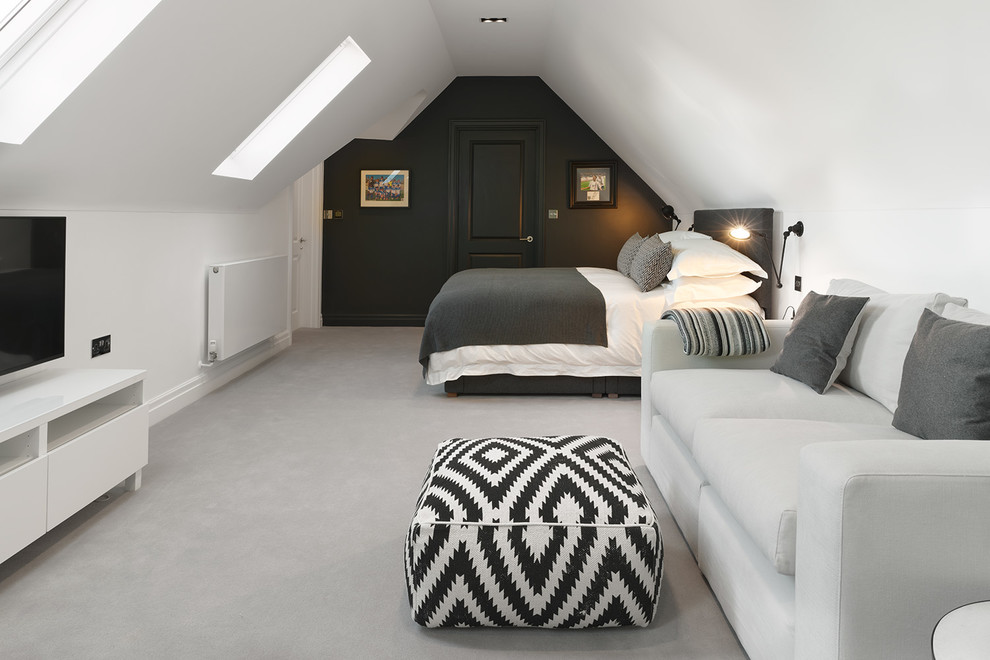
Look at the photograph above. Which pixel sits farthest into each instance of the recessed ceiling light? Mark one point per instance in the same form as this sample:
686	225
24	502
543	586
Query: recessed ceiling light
495	20
295	112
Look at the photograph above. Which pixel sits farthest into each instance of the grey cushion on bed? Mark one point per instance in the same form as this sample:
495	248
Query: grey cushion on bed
945	386
651	263
820	340
626	254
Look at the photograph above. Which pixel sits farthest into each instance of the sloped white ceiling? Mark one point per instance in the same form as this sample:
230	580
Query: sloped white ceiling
799	105
149	126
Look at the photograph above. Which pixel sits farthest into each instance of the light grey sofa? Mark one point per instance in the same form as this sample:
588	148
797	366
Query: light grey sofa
823	531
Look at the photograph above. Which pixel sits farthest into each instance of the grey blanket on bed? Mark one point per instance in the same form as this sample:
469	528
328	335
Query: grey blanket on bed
485	306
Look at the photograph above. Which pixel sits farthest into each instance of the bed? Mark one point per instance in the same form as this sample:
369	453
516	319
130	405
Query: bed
578	330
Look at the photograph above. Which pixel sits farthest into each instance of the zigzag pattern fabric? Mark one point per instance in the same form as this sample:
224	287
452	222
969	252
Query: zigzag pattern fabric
550	532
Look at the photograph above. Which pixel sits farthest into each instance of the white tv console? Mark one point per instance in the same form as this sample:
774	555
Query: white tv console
66	437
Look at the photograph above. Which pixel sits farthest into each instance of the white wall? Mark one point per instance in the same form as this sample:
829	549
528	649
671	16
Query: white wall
141	278
797	105
903	251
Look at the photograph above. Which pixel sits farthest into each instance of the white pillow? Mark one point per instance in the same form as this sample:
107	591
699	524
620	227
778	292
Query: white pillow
954	312
687	289
710	259
681	235
887	327
740	302
847	287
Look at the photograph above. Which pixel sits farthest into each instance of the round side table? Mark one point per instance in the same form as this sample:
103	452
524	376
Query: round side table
963	633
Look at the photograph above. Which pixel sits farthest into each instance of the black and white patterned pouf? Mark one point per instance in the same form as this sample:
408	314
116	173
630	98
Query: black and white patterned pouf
551	532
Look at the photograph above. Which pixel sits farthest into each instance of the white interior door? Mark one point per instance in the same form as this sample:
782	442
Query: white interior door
297	246
307	223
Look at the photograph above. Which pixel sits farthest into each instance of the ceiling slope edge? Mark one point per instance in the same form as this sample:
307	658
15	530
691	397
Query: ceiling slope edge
397	119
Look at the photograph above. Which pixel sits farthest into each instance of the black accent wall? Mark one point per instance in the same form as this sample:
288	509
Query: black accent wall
383	266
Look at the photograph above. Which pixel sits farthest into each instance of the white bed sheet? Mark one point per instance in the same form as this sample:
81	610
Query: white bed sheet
626	309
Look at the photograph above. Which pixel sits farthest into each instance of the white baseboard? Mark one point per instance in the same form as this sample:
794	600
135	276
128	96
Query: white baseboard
214	377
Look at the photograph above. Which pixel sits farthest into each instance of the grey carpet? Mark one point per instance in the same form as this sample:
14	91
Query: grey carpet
271	522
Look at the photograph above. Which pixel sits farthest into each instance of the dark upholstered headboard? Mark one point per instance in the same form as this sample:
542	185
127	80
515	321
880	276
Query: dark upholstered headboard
717	223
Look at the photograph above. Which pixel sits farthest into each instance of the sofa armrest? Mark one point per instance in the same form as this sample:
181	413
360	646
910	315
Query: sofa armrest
892	534
663	349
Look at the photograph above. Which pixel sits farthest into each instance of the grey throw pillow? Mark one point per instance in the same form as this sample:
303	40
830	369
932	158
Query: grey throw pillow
820	340
626	254
945	386
651	263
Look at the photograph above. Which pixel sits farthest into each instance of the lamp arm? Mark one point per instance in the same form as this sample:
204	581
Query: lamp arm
780	285
773	266
798	230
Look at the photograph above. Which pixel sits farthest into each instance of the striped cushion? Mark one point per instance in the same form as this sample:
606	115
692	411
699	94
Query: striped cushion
720	331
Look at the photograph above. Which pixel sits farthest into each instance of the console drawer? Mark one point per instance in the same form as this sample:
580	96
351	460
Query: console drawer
85	467
22	516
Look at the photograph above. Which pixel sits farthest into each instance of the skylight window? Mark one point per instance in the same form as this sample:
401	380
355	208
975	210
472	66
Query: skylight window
20	20
295	112
48	47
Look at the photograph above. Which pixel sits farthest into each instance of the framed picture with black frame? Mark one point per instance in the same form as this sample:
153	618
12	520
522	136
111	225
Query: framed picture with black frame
593	184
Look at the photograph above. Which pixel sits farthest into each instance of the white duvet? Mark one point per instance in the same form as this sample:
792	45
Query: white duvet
626	309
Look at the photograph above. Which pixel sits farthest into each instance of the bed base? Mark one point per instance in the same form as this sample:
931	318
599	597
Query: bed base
611	386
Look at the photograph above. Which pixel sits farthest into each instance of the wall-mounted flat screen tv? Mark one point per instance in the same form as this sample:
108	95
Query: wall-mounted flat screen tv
32	291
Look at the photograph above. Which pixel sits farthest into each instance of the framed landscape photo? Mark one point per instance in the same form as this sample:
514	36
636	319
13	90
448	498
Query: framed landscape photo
593	184
384	187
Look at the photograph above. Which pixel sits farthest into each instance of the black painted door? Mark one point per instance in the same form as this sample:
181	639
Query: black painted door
497	195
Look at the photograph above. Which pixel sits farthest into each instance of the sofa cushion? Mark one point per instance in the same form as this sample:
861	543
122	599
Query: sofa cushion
957	313
820	340
885	332
945	391
752	464
686	396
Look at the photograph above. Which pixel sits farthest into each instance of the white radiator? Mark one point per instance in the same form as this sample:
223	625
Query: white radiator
248	303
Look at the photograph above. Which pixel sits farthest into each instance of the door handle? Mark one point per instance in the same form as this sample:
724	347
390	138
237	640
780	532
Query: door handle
528	239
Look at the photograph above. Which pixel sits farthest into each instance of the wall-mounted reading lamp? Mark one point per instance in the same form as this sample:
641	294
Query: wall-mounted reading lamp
668	212
741	233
